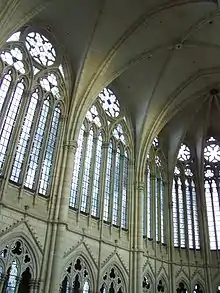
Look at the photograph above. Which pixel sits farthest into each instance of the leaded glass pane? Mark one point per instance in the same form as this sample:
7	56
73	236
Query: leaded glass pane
86	174
45	177
9	122
124	193
95	193
12	280
24	138
156	216
162	211
210	215
181	215
108	183
189	214
195	216
116	188
4	87
30	179
175	215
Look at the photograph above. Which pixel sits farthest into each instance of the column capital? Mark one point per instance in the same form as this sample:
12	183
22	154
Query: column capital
71	145
105	145
140	186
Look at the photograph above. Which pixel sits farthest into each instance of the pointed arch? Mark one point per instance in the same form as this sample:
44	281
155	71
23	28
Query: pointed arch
78	269
36	134
113	275
20	247
148	281
106	165
153	218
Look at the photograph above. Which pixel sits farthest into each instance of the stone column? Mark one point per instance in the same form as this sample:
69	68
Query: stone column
139	227
63	208
34	286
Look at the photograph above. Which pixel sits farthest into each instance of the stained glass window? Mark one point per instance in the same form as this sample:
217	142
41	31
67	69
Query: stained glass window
185	209
102	165
30	112
109	102
153	220
211	183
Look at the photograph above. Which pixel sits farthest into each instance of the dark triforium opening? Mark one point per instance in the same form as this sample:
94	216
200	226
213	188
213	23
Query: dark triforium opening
64	286
24	286
181	288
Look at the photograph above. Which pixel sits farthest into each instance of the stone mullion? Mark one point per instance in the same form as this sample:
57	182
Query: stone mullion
121	178
91	174
112	185
102	180
129	195
8	99
139	227
14	138
5	108
60	227
44	146
101	200
81	172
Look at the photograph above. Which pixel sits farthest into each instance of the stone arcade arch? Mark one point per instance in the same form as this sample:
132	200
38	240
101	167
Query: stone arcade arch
19	264
77	276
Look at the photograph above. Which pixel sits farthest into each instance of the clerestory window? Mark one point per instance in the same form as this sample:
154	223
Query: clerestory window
212	194
31	102
153	214
101	166
185	210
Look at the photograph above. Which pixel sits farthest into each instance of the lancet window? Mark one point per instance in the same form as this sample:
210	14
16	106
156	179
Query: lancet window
212	195
77	278
102	163
185	210
16	267
31	104
153	215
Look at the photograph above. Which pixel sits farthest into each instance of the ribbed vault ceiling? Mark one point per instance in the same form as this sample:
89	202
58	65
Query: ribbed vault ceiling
156	53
